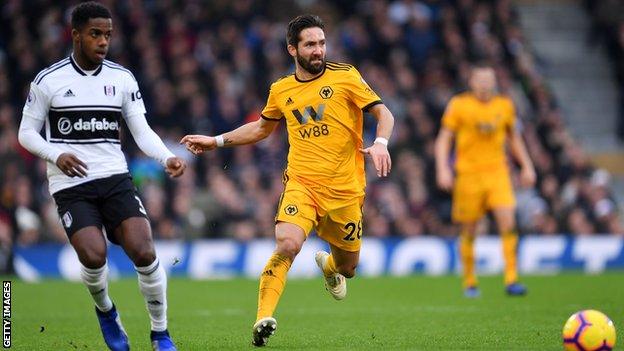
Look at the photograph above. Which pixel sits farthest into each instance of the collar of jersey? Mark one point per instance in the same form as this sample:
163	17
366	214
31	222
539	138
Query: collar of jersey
309	80
79	70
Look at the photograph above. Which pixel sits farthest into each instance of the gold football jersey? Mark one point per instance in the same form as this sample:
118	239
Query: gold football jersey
480	131
324	118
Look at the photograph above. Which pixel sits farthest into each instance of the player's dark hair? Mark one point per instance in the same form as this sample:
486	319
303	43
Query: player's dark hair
87	10
300	23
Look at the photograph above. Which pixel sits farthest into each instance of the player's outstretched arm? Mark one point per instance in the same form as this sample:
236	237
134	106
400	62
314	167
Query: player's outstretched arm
249	133
151	144
519	152
379	150
444	174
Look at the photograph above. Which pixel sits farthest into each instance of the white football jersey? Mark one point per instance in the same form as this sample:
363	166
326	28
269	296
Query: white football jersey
83	114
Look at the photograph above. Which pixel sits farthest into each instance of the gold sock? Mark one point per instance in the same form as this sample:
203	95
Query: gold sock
466	251
329	268
272	283
509	242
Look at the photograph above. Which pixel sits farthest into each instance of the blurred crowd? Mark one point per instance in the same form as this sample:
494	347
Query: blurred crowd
205	67
608	28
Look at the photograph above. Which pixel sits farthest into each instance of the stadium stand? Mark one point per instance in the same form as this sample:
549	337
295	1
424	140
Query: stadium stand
608	28
207	68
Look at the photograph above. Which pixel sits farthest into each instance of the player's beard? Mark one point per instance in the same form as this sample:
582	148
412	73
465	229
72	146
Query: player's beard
308	66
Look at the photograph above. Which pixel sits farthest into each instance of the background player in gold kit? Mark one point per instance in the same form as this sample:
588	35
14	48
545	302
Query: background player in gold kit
481	122
323	104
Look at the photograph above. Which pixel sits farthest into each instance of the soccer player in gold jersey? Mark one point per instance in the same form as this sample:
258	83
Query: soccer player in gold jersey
482	123
323	104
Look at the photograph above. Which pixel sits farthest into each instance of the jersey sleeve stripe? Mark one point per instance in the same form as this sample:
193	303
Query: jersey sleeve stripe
286	76
337	69
115	64
338	64
119	68
50	67
269	118
50	71
367	107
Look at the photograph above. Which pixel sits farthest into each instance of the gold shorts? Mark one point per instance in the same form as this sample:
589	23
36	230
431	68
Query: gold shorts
337	221
476	193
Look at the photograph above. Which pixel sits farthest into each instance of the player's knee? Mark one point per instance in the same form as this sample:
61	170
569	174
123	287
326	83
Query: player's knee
143	256
92	258
288	247
509	230
468	230
505	227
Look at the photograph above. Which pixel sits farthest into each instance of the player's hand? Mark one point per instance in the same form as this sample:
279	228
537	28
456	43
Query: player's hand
444	178
381	158
197	144
71	165
175	167
527	177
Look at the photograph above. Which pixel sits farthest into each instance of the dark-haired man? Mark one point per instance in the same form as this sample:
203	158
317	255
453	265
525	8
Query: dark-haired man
323	104
82	100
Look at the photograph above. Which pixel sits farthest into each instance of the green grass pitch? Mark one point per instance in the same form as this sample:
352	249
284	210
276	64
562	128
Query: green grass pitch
409	313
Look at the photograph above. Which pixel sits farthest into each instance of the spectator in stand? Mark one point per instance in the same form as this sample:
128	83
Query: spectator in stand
210	70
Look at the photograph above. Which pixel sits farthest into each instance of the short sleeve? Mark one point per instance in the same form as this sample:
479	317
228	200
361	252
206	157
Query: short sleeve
132	103
37	103
452	116
271	110
360	92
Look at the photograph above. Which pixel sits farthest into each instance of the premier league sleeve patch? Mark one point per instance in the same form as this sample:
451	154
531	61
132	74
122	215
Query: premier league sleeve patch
31	98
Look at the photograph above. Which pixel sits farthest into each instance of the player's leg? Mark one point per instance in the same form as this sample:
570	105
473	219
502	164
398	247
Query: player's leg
90	246
467	254
289	239
342	229
468	209
505	222
345	262
337	267
296	216
135	237
82	221
126	224
502	202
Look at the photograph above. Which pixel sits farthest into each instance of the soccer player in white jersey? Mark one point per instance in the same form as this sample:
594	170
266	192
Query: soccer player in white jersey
82	100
